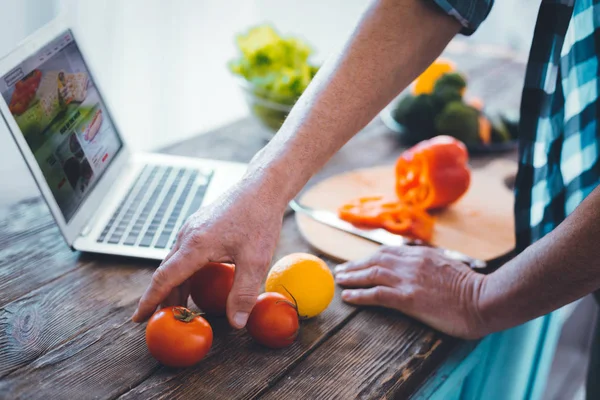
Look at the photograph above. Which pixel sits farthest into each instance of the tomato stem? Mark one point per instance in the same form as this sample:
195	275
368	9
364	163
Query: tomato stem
295	305
184	315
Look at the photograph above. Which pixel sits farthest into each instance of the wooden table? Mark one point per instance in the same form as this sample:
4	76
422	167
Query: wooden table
65	330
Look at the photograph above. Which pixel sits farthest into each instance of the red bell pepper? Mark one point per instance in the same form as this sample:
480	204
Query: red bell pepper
433	174
394	216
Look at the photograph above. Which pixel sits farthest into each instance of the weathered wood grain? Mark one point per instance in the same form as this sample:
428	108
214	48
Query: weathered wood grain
379	353
30	263
23	219
32	251
58	312
105	360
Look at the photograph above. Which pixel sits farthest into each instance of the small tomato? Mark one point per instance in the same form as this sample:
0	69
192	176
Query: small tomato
178	337
274	321
210	287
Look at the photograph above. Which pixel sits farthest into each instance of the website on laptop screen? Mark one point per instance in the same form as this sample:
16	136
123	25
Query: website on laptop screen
57	107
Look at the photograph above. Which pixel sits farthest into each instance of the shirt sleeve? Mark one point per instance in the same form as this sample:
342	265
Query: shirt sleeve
470	13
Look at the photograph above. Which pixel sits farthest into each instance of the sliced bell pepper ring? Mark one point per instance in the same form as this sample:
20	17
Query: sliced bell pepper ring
396	217
410	222
433	174
367	211
399	223
423	224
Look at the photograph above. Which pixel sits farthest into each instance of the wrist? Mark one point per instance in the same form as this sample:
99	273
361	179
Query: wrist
482	309
492	305
475	322
268	183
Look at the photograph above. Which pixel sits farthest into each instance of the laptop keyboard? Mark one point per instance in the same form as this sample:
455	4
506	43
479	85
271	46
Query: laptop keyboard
159	202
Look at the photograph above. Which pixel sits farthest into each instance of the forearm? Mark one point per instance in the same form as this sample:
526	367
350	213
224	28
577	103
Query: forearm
393	43
558	269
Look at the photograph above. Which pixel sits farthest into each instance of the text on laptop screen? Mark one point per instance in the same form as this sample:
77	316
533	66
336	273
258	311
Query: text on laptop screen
61	115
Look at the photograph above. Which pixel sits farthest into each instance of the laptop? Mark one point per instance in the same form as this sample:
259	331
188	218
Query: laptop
105	197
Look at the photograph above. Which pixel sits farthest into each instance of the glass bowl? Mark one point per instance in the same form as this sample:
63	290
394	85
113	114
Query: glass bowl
269	108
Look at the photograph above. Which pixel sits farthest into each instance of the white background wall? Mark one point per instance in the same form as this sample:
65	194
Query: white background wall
162	64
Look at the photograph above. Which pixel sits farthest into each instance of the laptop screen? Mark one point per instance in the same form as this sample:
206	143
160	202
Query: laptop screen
60	113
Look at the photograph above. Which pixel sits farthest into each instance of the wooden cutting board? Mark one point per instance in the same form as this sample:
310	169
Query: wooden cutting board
480	224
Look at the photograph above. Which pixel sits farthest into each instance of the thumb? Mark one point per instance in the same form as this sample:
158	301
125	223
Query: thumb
244	291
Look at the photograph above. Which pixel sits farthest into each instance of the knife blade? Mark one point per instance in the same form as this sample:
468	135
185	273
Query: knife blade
378	235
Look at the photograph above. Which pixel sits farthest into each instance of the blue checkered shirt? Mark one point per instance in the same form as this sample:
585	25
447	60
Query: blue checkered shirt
558	134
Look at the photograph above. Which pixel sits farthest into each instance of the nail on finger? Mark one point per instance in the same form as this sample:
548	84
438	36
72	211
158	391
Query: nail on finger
240	318
348	294
340	268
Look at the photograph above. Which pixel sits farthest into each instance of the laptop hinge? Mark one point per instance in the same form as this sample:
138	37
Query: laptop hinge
87	228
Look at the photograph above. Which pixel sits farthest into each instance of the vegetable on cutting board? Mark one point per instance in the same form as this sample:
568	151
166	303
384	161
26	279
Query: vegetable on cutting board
392	215
431	175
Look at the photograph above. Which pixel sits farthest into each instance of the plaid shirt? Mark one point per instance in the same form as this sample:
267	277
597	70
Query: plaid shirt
558	135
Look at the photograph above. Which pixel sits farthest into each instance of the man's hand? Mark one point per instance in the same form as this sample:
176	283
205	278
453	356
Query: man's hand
420	282
239	228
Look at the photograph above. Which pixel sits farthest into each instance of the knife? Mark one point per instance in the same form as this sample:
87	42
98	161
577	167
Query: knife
380	236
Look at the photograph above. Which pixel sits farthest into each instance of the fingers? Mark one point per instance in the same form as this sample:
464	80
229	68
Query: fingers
178	296
245	290
387	256
171	252
368	277
376	296
172	273
379	258
173	299
184	293
420	251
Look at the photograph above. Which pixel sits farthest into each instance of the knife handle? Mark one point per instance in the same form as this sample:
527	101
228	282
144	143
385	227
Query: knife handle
458	256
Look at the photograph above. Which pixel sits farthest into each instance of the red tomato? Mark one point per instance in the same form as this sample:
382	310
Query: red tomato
19	86
178	337
274	321
210	287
